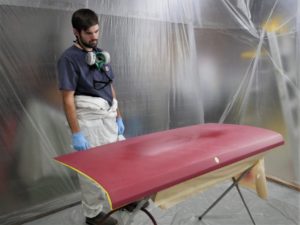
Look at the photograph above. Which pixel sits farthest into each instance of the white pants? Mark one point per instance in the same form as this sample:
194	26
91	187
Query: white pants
97	120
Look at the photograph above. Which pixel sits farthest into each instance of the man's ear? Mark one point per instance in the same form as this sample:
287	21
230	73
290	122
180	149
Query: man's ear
75	32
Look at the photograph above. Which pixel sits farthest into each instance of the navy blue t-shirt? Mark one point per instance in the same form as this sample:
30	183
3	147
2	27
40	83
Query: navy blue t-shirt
75	74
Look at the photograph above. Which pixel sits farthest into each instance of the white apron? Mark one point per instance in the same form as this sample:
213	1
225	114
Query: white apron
97	121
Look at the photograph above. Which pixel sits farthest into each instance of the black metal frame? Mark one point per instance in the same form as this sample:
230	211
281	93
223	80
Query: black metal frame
140	206
235	183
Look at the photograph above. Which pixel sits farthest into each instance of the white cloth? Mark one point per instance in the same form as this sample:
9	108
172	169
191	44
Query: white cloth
97	120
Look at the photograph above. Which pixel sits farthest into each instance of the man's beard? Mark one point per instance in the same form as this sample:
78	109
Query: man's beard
91	44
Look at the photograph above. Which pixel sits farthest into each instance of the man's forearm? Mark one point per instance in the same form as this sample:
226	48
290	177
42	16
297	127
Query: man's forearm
70	111
115	96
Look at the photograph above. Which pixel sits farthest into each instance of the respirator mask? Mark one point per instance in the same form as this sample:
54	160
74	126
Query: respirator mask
99	59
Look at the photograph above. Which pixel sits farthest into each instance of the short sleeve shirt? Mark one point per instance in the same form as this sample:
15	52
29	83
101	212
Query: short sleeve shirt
75	74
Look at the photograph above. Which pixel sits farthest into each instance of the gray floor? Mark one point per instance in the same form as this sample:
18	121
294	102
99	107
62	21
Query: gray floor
281	208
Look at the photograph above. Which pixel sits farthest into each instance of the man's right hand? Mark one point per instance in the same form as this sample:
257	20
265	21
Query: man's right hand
79	142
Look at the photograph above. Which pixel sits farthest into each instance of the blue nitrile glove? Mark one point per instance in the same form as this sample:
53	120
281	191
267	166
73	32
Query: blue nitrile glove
79	142
121	127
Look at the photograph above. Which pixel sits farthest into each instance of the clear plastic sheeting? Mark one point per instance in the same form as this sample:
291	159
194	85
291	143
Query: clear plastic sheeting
176	63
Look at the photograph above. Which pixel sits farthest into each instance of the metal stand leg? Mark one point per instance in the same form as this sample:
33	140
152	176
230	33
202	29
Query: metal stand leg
235	183
149	215
140	206
215	202
242	197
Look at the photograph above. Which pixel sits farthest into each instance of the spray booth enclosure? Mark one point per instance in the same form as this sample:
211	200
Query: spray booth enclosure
176	63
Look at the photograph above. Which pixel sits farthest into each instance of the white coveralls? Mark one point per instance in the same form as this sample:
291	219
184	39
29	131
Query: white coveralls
97	121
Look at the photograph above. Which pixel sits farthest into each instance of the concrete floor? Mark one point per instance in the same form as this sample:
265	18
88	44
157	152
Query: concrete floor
281	208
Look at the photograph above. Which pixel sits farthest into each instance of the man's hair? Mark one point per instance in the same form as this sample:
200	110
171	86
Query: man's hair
83	19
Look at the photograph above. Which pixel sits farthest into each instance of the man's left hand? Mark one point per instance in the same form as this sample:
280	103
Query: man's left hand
121	127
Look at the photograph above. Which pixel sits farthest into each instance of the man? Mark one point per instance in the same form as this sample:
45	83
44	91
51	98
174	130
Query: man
90	105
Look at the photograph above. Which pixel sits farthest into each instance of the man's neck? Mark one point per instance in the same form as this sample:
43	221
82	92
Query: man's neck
83	48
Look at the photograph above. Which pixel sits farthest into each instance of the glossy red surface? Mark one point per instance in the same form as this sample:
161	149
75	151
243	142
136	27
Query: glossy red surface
141	166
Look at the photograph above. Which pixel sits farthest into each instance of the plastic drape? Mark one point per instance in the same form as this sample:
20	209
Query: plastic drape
176	62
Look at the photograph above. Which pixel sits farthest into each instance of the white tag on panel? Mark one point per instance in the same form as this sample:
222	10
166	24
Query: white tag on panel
216	160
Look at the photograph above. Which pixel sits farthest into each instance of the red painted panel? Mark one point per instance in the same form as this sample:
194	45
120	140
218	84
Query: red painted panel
141	166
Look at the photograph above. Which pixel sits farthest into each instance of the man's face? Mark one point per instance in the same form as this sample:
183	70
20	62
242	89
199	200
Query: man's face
89	38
